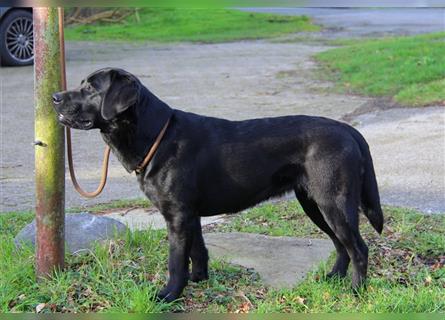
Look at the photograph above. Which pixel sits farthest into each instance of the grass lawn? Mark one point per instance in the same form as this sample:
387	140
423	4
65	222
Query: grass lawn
409	69
196	25
406	271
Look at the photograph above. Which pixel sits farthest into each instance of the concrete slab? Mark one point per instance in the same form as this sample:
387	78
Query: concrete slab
151	218
281	262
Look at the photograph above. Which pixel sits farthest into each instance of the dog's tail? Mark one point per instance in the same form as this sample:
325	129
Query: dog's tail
370	196
370	193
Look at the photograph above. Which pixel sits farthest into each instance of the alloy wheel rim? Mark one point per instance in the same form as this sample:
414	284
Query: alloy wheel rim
20	39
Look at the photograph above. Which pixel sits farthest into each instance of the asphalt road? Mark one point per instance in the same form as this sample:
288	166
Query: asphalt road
232	80
362	22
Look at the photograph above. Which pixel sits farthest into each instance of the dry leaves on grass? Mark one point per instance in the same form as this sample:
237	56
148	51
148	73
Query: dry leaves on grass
246	305
397	261
244	308
12	303
288	303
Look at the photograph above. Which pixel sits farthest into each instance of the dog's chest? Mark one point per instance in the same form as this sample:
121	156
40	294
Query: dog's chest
151	191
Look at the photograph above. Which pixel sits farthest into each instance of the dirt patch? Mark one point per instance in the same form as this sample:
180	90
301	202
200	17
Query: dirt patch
372	105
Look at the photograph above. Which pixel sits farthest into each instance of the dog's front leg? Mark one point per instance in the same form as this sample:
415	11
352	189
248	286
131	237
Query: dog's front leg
180	237
199	254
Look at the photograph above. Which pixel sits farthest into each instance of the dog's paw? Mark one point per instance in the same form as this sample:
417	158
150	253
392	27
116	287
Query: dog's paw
334	274
359	284
166	295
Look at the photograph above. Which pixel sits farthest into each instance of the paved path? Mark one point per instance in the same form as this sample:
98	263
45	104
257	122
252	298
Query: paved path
408	147
232	80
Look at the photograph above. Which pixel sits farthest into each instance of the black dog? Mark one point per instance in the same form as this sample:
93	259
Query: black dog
206	166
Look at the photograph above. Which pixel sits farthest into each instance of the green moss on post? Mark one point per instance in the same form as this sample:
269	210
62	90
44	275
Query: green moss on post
49	156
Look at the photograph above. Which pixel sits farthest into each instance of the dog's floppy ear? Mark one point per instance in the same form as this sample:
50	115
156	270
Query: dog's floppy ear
122	93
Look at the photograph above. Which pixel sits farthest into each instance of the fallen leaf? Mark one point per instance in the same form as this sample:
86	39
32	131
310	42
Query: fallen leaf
299	300
436	266
12	303
87	292
244	308
40	307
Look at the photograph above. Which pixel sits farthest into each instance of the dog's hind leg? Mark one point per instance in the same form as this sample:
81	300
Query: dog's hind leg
198	254
341	215
310	208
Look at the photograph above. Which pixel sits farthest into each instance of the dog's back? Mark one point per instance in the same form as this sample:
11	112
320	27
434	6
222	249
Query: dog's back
249	161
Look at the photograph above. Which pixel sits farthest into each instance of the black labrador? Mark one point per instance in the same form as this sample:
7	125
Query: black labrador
206	166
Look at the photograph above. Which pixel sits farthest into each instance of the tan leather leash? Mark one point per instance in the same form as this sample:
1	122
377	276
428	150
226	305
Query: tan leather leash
69	150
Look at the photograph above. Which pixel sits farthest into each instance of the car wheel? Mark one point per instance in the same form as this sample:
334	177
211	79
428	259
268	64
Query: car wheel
17	42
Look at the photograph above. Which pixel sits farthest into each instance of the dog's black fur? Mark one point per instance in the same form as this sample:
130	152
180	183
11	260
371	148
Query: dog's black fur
206	166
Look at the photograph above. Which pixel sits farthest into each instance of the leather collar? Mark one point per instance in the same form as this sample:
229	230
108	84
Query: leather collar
153	148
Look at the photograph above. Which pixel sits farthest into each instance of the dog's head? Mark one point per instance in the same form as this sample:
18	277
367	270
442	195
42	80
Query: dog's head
101	98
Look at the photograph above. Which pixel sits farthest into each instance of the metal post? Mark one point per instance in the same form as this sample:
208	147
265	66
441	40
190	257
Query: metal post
50	145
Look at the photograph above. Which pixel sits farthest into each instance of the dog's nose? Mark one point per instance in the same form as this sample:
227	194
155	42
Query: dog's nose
57	98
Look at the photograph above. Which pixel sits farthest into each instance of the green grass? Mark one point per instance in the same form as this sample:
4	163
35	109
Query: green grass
409	69
406	272
112	277
121	276
195	25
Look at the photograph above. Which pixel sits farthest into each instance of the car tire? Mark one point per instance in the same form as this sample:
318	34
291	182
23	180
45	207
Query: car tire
17	42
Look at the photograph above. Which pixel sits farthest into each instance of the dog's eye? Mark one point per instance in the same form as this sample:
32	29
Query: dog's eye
89	87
